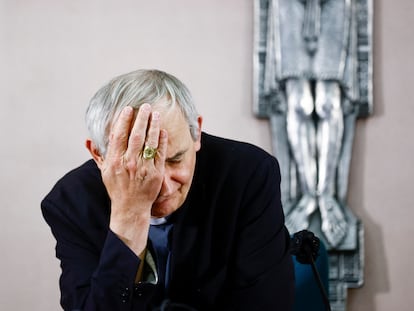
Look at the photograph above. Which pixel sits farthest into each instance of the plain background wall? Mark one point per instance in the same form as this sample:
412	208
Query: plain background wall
55	54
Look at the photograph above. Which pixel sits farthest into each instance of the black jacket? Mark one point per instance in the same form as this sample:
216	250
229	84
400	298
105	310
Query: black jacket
230	246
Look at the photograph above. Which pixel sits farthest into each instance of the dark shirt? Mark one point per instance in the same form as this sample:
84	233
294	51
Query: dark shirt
160	238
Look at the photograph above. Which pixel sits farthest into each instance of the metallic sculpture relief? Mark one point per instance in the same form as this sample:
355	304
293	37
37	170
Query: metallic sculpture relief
313	79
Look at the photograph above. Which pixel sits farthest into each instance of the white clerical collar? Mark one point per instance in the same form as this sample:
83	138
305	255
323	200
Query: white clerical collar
158	221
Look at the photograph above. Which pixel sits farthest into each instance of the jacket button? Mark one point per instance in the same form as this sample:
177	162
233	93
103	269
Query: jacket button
125	295
137	290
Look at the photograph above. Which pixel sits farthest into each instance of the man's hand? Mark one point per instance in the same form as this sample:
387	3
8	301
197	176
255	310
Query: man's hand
133	183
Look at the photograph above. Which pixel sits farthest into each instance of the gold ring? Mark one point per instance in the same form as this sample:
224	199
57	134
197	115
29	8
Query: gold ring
149	153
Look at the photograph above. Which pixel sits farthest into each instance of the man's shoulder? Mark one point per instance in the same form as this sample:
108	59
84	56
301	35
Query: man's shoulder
84	174
79	183
225	150
222	158
78	207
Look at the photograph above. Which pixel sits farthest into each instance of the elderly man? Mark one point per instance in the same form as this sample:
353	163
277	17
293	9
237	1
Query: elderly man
166	216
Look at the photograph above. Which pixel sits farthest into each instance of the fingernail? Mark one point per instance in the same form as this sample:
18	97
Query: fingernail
155	115
145	107
127	110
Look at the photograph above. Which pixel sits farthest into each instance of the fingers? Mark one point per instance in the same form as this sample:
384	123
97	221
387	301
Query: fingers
162	149
128	138
153	130
118	139
138	134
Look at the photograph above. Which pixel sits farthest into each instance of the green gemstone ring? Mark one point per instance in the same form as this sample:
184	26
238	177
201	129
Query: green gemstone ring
149	153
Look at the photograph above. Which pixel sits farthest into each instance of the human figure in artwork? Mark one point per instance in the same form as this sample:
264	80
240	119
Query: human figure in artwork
313	64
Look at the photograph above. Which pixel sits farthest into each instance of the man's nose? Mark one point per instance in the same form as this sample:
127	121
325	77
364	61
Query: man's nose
167	186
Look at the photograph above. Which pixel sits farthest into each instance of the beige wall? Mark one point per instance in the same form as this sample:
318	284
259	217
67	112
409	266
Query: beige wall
55	54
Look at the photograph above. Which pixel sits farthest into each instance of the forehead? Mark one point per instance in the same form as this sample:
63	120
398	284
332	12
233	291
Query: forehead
174	122
172	118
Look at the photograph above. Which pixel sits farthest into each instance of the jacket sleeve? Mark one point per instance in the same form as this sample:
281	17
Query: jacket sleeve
93	278
262	275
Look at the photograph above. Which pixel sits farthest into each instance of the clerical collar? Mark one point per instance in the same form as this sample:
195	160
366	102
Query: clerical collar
170	219
158	221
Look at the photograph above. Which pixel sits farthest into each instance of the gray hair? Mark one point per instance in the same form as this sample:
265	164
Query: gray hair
133	89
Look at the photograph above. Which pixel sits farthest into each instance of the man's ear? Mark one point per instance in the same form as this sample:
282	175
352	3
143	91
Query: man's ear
198	141
93	150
